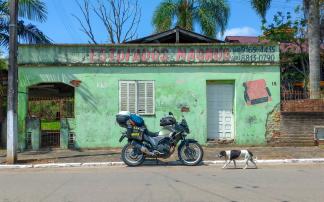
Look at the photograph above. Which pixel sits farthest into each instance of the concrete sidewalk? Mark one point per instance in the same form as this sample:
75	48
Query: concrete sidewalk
113	155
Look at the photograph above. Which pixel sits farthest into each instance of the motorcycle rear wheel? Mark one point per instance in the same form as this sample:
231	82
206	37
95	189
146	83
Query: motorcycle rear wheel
132	156
191	155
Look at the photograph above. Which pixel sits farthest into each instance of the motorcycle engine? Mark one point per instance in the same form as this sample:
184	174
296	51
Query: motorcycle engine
164	146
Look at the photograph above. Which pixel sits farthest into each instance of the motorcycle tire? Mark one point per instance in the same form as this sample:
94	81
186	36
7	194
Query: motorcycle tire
132	159
183	156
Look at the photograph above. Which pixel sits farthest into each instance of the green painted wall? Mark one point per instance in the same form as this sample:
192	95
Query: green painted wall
33	126
97	97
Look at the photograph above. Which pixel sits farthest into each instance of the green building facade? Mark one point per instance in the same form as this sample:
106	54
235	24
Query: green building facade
226	92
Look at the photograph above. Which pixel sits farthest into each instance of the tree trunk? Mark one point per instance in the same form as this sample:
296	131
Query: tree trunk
314	49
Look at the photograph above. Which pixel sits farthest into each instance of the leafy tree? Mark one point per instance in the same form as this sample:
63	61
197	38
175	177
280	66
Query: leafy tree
312	12
212	16
294	60
34	10
3	63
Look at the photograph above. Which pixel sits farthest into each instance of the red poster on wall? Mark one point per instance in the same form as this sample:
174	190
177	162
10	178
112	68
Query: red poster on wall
256	92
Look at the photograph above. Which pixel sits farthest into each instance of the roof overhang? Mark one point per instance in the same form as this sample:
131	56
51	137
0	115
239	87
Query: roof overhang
176	35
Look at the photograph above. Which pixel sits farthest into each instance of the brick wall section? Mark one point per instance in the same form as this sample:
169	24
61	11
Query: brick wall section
297	129
273	124
300	123
307	105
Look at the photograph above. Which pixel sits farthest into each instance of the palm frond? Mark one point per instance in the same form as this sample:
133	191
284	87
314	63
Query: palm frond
4	40
185	14
163	15
4	31
33	10
213	16
4	10
261	7
207	22
30	9
31	34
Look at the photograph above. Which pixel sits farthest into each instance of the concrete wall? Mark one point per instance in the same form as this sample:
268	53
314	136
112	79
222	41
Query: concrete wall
97	97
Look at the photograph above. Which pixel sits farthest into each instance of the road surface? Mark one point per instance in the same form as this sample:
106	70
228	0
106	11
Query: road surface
164	183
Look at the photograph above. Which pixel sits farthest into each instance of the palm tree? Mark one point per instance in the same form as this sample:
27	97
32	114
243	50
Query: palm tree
34	10
261	7
211	15
312	7
312	11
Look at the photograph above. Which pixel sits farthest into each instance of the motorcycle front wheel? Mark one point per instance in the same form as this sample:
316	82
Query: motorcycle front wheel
132	156
191	154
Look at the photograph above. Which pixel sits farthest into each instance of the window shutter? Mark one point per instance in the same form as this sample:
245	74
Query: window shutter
137	96
145	97
127	96
123	96
150	97
141	97
132	94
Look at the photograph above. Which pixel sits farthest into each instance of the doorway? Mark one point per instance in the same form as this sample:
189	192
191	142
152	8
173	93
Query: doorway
49	102
220	117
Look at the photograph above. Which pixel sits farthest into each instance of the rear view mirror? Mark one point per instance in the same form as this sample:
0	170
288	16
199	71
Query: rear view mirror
170	113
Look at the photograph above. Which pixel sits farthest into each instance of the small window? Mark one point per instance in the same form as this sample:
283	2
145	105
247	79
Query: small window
137	97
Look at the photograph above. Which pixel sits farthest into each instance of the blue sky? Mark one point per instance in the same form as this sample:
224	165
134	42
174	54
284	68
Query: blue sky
62	27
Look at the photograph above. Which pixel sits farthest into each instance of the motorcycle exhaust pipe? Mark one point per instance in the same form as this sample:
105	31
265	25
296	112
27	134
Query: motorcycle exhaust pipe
143	149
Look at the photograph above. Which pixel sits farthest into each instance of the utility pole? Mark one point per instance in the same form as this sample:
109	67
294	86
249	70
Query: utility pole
12	85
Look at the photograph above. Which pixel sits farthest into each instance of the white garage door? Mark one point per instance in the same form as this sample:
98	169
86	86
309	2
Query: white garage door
220	120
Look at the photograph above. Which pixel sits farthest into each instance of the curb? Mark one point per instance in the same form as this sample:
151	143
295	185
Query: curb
110	164
274	161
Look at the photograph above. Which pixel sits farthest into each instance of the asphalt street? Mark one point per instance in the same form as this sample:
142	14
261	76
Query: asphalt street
164	183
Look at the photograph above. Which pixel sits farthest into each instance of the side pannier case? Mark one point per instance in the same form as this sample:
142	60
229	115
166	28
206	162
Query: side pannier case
137	133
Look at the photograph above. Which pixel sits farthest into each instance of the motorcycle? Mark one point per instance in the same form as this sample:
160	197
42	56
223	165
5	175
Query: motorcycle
142	143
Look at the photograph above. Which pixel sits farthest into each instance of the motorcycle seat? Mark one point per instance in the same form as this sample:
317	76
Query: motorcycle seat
152	134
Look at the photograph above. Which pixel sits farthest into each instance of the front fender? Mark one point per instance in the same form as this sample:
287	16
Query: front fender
186	141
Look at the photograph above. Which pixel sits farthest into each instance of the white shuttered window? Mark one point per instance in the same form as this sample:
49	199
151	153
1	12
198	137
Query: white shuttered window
137	97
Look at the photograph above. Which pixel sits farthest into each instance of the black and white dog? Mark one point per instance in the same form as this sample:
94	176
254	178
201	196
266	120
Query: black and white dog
232	155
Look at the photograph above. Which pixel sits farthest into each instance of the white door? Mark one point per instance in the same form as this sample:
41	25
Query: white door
220	119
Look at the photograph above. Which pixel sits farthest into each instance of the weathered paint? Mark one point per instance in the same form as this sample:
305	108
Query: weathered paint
33	127
67	126
148	54
177	85
96	99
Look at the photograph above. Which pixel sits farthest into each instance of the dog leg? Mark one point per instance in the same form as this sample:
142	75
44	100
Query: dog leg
253	163
246	163
234	163
226	163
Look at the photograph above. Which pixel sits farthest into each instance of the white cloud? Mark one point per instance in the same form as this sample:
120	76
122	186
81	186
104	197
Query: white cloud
240	31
